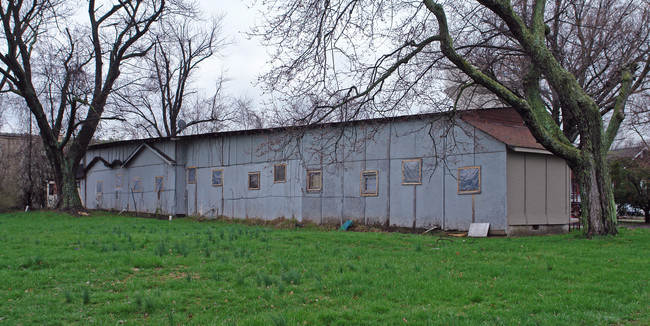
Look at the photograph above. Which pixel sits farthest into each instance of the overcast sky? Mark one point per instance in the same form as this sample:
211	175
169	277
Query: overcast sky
243	60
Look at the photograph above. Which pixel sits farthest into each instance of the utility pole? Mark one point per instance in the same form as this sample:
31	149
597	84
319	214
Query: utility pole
30	185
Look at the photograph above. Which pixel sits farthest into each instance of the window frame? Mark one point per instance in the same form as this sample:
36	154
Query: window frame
99	184
362	189
120	177
309	178
469	192
419	182
259	180
139	184
188	174
212	178
275	166
162	183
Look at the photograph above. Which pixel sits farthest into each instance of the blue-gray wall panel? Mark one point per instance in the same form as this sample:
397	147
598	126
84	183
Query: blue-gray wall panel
311	208
377	147
430	195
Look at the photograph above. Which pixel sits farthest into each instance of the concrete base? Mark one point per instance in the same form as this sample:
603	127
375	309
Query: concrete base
528	230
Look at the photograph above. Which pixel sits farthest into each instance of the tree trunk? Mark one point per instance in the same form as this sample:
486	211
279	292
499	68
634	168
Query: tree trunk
64	177
596	195
647	214
69	195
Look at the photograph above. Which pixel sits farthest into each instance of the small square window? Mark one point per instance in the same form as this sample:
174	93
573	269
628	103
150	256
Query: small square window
369	183
159	184
217	177
469	180
412	172
99	187
280	173
314	180
191	174
253	180
118	181
137	185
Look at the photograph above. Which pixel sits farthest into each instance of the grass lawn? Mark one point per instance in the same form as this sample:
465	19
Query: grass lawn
109	269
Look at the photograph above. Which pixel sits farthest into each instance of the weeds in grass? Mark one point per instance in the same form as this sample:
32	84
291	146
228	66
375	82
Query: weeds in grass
67	294
284	264
34	263
170	318
278	320
291	277
137	300
182	249
240	279
85	295
264	279
282	287
149	304
161	249
262	274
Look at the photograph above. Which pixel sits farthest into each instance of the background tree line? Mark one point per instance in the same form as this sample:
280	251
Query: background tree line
125	68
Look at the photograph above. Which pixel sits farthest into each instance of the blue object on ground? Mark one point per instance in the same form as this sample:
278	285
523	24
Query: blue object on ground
346	225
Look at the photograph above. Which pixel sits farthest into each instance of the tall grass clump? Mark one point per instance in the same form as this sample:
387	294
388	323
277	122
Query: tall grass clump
85	295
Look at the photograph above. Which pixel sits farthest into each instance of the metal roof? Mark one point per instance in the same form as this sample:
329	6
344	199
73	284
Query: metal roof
504	124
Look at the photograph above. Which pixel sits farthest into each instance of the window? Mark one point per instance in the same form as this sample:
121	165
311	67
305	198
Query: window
51	188
137	185
280	173
158	187
118	181
412	172
369	183
469	180
253	180
314	180
191	174
99	187
217	177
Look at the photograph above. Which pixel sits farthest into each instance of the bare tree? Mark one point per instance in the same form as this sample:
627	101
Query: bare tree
167	94
68	93
245	115
567	67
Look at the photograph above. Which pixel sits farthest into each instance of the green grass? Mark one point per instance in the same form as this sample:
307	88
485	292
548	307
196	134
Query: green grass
109	269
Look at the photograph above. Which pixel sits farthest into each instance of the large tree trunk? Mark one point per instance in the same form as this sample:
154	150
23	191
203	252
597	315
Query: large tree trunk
597	195
64	177
69	195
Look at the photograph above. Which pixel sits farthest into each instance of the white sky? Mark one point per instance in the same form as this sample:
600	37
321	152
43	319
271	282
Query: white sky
243	60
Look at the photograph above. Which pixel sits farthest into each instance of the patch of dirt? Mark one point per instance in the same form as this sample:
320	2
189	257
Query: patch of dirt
76	212
283	223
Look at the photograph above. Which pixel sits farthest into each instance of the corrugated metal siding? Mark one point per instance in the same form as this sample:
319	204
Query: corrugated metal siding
435	202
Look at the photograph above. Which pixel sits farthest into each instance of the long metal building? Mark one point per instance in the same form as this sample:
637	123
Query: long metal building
422	171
